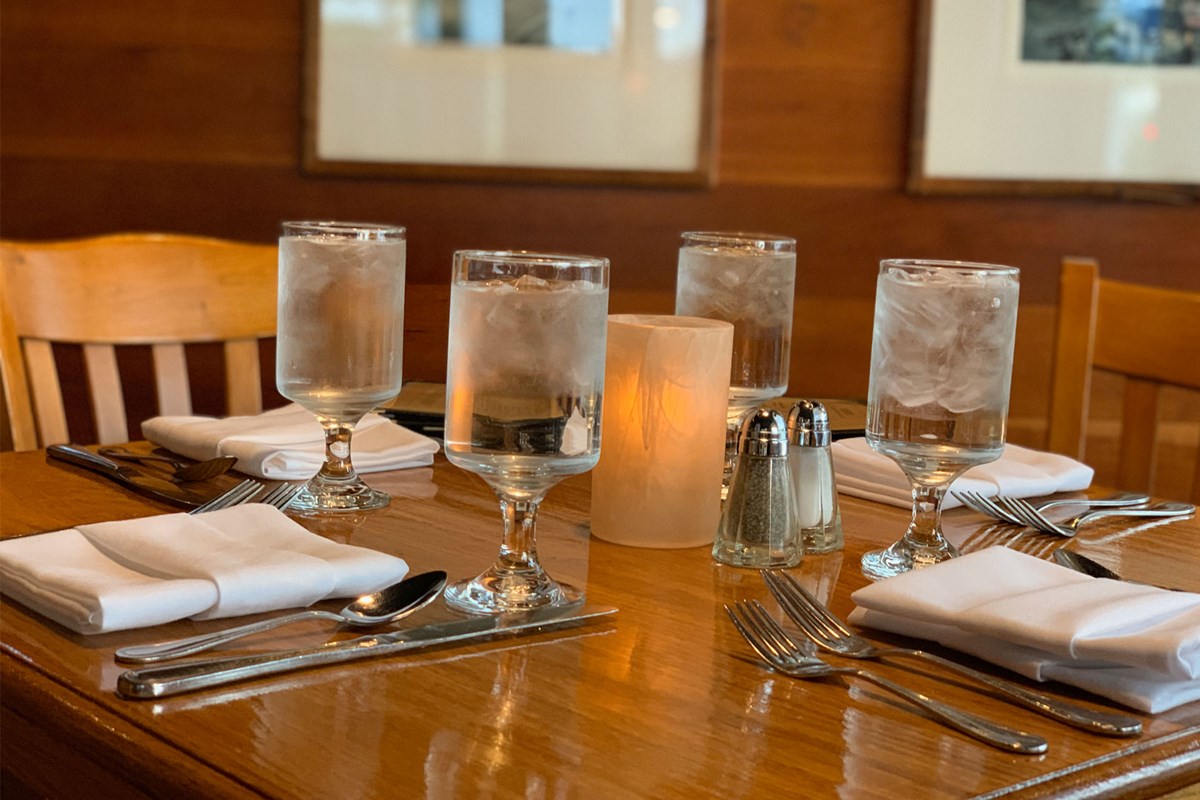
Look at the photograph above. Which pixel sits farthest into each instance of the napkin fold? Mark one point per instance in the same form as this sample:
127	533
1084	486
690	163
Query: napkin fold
1137	645
288	443
1019	472
112	576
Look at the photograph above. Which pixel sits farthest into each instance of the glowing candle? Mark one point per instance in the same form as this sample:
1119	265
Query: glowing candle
662	447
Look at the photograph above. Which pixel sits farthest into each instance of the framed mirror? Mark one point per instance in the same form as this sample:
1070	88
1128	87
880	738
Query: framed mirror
575	91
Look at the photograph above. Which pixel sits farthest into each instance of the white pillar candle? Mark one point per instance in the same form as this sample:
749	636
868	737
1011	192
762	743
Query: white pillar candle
662	447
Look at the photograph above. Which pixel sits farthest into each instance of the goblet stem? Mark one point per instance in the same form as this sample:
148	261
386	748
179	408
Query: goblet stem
337	487
516	582
924	534
921	545
337	466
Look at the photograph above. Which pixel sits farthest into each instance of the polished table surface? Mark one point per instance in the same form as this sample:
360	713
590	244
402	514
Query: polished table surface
660	701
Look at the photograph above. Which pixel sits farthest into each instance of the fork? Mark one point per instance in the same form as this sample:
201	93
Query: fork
281	496
783	655
830	633
1031	516
997	506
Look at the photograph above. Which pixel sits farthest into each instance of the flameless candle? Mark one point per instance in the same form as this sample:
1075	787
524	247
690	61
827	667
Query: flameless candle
662	448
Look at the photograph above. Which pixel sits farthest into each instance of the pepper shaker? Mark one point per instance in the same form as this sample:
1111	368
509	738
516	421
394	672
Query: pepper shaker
811	462
758	523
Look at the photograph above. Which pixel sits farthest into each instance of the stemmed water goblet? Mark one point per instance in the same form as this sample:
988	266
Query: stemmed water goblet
340	342
525	377
747	279
937	403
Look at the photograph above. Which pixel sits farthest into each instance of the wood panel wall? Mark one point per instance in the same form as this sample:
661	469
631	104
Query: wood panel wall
185	115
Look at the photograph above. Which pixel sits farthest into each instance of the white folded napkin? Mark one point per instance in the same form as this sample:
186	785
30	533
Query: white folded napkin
288	443
1138	645
113	576
1019	472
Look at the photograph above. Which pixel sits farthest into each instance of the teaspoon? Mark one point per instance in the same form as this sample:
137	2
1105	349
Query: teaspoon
200	471
386	605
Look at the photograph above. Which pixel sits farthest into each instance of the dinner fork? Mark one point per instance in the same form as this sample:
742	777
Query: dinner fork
1034	518
830	633
281	496
783	655
998	505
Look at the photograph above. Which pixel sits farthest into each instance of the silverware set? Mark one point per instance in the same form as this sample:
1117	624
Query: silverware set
1016	511
822	629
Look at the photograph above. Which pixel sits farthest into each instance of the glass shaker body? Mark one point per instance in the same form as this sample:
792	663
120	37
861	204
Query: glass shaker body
811	463
758	525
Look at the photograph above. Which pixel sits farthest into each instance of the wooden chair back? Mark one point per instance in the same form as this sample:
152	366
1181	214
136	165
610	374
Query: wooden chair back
145	289
1149	335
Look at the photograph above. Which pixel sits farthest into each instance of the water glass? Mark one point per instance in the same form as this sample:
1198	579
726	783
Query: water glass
747	279
524	382
340	341
937	404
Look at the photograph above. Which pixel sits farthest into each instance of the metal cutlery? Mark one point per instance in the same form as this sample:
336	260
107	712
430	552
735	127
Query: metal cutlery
997	506
1035	519
1087	566
151	486
785	656
378	608
830	633
197	471
170	680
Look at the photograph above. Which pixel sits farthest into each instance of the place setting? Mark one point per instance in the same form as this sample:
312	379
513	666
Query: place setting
1011	594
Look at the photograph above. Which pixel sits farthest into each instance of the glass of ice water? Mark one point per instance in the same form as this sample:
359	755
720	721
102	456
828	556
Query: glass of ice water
747	279
340	341
941	367
524	380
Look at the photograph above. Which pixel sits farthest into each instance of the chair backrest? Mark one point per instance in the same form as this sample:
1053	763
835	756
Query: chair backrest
1151	336
145	289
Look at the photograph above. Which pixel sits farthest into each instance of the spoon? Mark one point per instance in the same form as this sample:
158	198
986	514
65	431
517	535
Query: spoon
386	605
200	471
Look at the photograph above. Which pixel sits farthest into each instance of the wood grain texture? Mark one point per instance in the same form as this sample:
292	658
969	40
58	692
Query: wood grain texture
664	701
142	289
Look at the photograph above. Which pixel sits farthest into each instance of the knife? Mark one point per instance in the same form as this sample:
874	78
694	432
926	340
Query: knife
127	476
155	682
1081	563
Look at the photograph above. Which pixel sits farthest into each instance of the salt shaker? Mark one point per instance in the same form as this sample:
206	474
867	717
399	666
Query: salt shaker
758	524
811	463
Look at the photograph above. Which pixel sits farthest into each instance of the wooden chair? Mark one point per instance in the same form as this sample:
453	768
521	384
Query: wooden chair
1149	335
144	289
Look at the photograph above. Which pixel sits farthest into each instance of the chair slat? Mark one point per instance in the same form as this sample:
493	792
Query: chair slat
243	379
104	384
1070	390
47	391
1139	435
171	380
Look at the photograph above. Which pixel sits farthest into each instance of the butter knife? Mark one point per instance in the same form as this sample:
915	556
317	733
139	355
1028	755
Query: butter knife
155	682
1081	563
127	476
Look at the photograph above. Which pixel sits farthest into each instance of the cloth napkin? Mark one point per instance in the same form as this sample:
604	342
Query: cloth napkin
1138	645
288	443
1019	472
112	576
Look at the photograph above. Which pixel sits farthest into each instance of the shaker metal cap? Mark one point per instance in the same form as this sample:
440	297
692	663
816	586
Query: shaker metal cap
764	433
808	425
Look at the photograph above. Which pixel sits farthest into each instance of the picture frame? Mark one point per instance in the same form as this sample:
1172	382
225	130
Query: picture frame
611	92
1025	97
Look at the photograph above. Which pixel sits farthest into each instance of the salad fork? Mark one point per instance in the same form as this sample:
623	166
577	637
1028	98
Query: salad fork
999	507
783	655
830	633
1031	516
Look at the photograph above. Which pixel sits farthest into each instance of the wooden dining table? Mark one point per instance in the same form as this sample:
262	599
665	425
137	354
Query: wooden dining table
661	700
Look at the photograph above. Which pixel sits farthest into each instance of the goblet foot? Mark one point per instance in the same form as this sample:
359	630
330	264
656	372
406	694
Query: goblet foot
320	495
498	591
904	556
